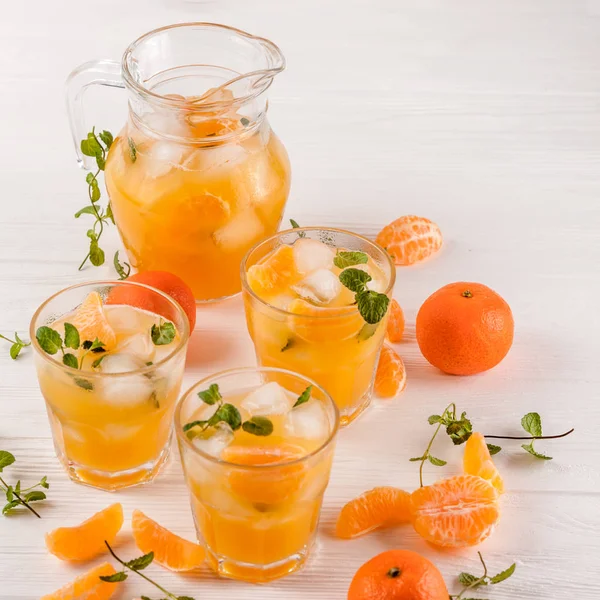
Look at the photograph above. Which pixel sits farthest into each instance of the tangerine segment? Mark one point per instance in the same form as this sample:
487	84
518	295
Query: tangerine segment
271	485
274	274
170	550
329	323
379	507
390	378
478	461
410	239
85	541
88	586
395	324
455	512
91	322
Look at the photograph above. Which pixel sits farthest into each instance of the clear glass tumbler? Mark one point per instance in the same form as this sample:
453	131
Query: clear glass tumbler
256	500
111	415
333	346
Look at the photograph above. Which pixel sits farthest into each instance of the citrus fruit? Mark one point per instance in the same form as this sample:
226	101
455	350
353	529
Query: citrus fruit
85	541
270	485
464	328
455	512
395	324
273	274
329	323
88	586
410	239
398	575
170	550
166	282
478	461
379	507
390	378
91	322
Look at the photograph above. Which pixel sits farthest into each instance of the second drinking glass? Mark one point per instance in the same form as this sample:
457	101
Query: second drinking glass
316	303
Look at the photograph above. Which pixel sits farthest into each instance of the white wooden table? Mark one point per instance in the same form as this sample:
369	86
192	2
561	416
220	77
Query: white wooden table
481	115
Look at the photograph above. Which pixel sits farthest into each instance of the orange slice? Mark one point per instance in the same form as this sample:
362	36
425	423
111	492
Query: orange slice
379	507
390	378
410	239
170	550
92	323
270	485
478	461
88	586
85	541
395	324
274	274
455	512
328	324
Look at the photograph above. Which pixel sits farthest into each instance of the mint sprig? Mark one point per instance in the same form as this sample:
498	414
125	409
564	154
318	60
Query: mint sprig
17	496
295	225
371	305
304	396
96	146
227	413
16	345
163	333
345	259
470	582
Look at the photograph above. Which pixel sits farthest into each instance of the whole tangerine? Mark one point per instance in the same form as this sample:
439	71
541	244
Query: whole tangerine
398	575
465	328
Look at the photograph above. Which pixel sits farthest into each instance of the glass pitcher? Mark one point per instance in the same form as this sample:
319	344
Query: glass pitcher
196	176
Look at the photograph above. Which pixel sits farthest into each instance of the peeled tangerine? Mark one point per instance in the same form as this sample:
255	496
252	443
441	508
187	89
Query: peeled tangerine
85	541
88	586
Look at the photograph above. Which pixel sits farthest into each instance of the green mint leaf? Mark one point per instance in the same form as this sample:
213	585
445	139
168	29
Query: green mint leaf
162	334
184	598
20	341
245	122
467	579
109	213
294	224
371	305
94	191
96	346
532	424
70	360
460	430
211	395
149	363
101	162
355	279
8	507
304	396
258	426
288	345
348	259
9	493
15	349
504	574
367	331
433	419
192	424
107	138
87	344
145	598
84	383
90	146
71	337
493	449
115	577
18	487
120	269
140	563
132	150
438	462
529	448
86	210
227	413
44	482
96	253
97	362
6	459
418	458
49	339
35	496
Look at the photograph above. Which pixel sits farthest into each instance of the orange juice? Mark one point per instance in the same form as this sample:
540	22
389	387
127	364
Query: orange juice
302	317
110	405
256	493
194	205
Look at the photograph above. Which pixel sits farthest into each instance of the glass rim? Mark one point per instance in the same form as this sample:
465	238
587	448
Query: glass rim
131	83
246	286
185	334
219	375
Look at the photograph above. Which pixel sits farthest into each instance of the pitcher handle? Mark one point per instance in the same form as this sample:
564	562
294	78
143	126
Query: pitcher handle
94	72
